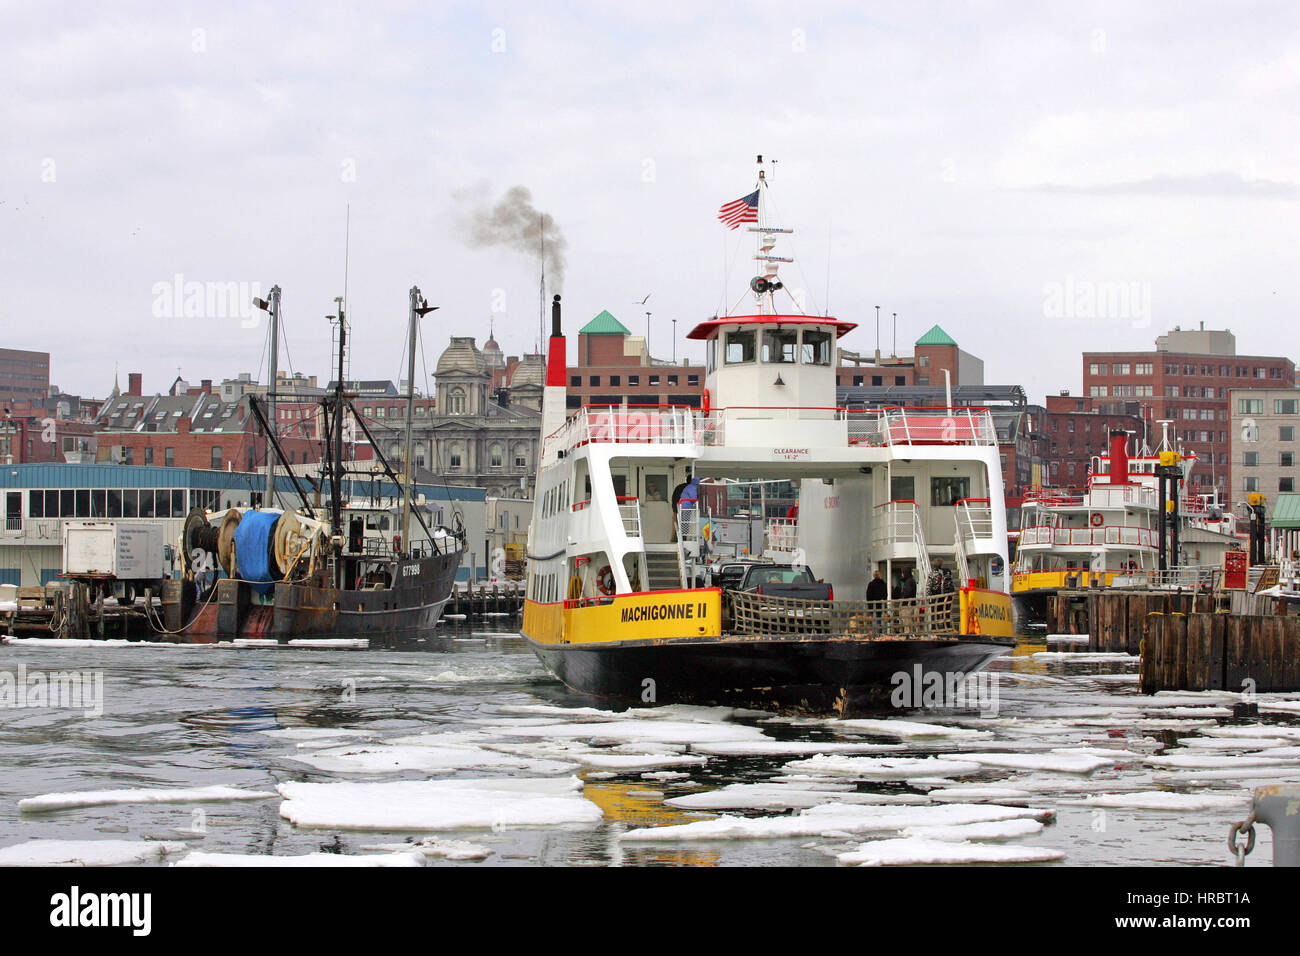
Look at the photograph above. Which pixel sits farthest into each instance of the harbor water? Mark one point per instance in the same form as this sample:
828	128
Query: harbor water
1090	759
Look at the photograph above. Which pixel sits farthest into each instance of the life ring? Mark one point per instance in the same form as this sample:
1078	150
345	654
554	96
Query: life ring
1096	519
605	580
705	405
575	588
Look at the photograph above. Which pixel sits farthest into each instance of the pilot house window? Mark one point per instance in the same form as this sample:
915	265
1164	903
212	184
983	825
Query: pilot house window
740	348
816	348
780	347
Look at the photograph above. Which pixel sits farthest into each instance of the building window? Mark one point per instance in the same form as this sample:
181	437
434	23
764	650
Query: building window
1250	484
1098	368
900	379
456	401
1120	368
1143	368
654	380
496	456
216	456
615	381
633	381
1284	406
1286	433
692	379
594	380
128	457
521	457
857	380
575	381
1250	406
453	460
672	379
1287	459
148	455
1250	459
1286	484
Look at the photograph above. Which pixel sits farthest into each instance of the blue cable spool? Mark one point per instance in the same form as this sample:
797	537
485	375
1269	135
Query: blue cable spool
253	549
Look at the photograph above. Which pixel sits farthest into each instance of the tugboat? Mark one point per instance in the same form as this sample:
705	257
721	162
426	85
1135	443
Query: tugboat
263	573
615	606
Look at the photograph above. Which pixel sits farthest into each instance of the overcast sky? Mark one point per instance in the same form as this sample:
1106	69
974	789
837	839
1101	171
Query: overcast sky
982	166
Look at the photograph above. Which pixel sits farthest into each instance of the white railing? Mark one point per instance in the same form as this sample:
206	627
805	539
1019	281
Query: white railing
959	549
688	525
938	426
899	523
783	535
1104	496
629	509
974	519
682	424
666	424
1113	535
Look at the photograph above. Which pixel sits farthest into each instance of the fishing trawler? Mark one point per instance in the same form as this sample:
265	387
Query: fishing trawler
360	572
614	606
1127	528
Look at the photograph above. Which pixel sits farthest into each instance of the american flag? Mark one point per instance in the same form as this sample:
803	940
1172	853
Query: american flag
744	209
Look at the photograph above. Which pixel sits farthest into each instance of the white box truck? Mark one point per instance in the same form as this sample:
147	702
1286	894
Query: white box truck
123	557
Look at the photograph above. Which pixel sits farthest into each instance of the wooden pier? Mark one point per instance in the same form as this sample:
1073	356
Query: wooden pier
496	599
1189	640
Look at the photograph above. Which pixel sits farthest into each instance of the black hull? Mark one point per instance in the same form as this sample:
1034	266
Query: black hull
381	615
827	677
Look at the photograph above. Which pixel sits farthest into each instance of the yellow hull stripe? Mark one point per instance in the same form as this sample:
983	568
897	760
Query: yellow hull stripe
628	617
1053	580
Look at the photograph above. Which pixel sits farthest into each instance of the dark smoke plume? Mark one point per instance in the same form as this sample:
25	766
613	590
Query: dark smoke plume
515	223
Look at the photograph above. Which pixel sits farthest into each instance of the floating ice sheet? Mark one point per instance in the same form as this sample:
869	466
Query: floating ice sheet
884	768
976	793
87	852
656	730
999	830
916	851
906	728
1199	761
777	796
428	759
1168	800
831	819
442	849
1057	761
48	802
790	748
259	860
438	804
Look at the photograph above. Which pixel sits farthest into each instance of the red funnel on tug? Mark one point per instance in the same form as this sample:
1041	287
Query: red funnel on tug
1118	457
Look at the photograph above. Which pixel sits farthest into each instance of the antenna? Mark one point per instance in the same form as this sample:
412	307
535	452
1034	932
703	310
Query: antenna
347	248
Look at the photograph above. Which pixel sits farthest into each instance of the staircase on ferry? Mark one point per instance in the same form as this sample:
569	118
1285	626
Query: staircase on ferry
663	570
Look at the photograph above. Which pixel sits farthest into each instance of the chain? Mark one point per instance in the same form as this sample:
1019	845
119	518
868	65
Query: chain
1245	827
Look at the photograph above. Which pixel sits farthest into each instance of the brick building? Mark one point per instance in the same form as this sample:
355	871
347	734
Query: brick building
1078	428
611	365
1186	379
932	354
24	375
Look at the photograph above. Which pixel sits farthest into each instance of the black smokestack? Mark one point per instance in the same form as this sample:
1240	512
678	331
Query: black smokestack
515	223
555	317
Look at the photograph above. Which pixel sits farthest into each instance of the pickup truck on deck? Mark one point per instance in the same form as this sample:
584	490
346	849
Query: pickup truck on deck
784	581
778	581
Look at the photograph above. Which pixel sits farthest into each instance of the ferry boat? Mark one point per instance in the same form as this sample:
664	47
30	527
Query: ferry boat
614	606
1110	533
358	572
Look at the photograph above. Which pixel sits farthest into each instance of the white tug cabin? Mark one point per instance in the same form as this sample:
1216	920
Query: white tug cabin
899	491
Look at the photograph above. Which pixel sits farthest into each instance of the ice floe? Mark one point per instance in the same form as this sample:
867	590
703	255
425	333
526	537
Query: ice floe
1168	800
906	728
1061	761
438	804
832	819
1085	656
1199	761
48	802
976	793
442	849
408	858
366	758
776	796
999	830
87	852
633	731
885	768
789	748
916	851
